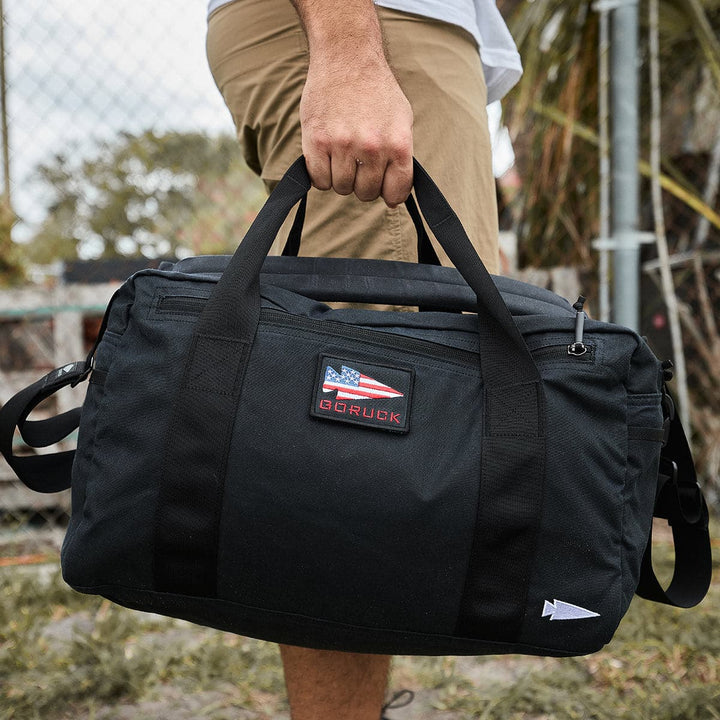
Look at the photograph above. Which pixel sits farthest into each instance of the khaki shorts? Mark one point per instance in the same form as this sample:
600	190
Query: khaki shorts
258	56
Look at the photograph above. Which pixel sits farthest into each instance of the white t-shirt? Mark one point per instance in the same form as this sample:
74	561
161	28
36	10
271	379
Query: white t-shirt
482	20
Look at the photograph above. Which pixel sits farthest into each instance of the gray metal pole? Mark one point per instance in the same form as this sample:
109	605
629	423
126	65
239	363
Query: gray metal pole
625	177
3	112
604	151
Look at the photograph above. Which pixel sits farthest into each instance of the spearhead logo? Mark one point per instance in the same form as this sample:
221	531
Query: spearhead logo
351	384
362	394
559	610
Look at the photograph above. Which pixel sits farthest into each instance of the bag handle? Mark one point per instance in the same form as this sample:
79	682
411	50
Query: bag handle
425	250
193	470
233	310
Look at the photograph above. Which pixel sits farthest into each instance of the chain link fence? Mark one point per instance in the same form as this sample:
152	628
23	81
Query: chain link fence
119	152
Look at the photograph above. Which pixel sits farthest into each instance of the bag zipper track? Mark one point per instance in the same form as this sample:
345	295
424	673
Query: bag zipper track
372	337
187	304
173	304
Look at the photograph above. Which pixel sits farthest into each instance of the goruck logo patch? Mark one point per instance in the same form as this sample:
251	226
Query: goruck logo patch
361	394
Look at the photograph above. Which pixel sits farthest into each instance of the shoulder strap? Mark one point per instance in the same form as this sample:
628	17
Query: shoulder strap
680	501
43	473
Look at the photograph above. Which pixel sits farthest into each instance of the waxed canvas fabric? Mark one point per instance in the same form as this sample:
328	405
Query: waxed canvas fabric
451	481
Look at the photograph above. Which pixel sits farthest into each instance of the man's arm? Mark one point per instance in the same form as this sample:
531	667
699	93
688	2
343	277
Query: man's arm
356	122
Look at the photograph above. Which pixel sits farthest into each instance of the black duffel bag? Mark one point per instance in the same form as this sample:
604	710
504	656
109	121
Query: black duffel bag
479	477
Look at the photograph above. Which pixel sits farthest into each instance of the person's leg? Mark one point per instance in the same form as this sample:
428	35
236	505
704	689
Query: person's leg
438	67
325	684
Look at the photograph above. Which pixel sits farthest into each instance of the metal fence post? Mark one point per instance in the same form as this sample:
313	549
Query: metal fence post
4	112
625	174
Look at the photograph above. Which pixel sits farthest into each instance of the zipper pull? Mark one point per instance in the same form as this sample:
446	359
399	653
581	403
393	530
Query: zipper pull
578	348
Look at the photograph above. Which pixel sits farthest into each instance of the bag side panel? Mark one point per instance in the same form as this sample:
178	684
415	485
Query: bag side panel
92	407
574	598
110	539
645	420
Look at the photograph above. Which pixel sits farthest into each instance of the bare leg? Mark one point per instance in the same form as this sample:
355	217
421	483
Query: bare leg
328	685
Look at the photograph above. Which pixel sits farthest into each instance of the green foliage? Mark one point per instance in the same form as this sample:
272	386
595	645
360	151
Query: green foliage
147	194
61	650
557	211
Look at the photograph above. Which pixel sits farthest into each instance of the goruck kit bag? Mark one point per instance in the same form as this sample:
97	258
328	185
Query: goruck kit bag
478	477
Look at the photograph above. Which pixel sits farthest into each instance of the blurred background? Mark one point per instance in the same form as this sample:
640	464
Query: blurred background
117	151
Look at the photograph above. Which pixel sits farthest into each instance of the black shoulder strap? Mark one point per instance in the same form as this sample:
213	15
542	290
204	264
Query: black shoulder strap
42	473
680	501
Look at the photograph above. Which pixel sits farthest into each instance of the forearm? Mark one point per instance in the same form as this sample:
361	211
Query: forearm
341	31
356	122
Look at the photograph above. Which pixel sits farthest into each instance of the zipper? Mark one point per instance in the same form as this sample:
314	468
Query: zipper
561	352
187	304
181	304
371	337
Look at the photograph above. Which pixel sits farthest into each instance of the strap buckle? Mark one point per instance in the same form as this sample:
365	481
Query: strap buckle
678	500
85	370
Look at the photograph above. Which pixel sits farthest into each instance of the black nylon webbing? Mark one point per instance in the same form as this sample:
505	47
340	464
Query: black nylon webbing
512	470
192	481
508	516
42	473
681	502
193	470
425	250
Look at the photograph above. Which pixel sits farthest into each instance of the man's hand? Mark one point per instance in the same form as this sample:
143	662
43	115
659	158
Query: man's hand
356	122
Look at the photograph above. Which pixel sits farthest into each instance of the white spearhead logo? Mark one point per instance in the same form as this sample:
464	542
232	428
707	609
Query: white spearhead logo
559	610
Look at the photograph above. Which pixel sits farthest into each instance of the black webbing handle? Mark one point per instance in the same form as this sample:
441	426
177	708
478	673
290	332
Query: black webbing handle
233	310
43	473
680	501
425	250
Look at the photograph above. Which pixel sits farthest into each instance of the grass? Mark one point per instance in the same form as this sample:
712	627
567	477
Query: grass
66	655
62	651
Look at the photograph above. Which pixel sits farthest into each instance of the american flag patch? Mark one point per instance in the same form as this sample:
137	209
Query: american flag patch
360	393
351	384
